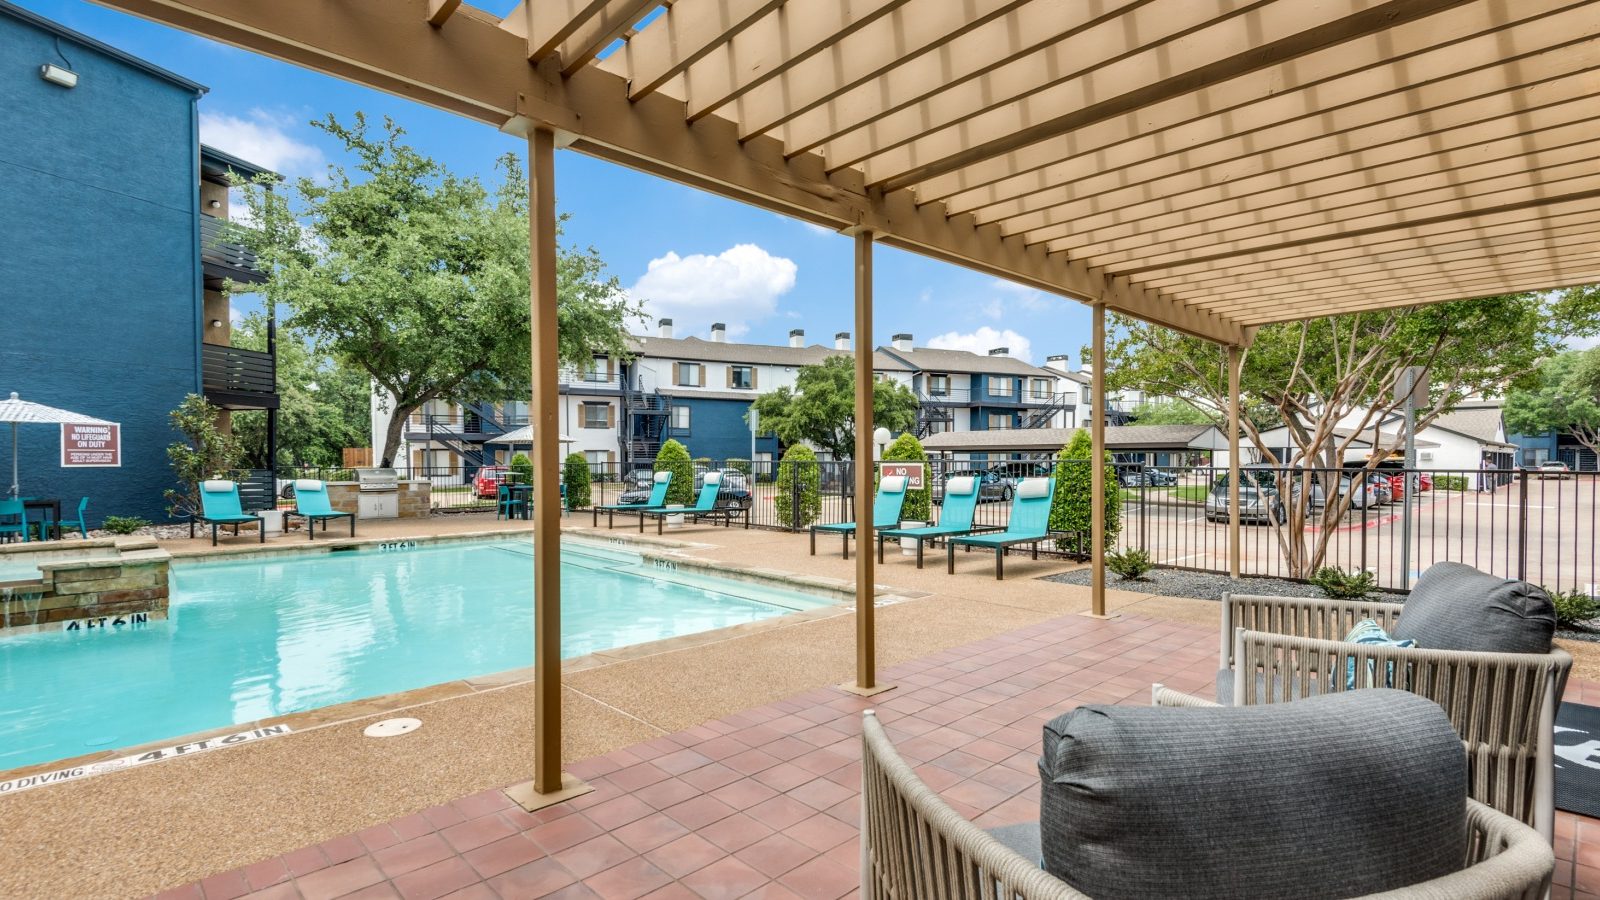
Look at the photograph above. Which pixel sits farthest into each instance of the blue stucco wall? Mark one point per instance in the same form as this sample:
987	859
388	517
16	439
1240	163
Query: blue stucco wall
717	429
99	282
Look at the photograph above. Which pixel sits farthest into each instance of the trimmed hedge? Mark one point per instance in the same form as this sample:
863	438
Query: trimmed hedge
674	458
576	475
798	471
918	505
1073	507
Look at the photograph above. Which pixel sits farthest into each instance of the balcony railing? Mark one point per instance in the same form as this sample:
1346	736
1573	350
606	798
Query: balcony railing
237	378
225	259
573	379
968	397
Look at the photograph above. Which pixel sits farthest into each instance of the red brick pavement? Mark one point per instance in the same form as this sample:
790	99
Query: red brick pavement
764	803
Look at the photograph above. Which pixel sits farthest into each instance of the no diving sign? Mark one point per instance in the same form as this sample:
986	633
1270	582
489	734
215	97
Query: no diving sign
27	782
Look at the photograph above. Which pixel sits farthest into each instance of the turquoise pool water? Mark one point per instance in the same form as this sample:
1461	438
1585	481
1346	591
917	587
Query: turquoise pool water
262	637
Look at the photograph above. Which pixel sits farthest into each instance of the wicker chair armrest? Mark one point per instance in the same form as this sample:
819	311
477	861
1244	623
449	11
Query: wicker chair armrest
1161	695
1507	861
1299	616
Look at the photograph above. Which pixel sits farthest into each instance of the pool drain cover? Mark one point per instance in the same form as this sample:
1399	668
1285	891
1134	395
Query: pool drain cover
392	727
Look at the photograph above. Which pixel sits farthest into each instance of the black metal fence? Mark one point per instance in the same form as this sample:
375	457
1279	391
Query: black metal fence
1538	526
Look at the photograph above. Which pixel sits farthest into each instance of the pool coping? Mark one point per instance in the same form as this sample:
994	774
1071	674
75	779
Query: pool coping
388	704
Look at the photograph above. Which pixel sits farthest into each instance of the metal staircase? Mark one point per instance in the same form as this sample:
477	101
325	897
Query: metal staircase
930	411
645	427
1041	416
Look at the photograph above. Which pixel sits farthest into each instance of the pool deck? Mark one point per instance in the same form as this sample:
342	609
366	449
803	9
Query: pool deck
722	768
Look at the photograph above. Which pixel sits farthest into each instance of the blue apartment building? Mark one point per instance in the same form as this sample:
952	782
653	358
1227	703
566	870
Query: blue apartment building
111	282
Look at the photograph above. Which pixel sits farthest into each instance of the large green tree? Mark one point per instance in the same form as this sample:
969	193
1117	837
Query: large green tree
323	405
419	277
820	408
1562	395
1326	380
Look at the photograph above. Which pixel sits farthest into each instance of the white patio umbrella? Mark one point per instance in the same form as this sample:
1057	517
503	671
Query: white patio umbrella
524	435
21	412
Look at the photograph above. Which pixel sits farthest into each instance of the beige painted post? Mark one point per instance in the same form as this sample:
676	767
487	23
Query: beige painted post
866	557
1097	469
548	785
1235	362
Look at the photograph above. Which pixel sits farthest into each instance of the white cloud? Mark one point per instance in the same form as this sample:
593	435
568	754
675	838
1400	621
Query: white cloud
983	340
262	138
738	286
818	229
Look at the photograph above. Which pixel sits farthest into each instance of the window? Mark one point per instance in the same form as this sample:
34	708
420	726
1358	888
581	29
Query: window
742	377
680	418
1002	386
596	370
1087	399
514	413
1042	389
596	415
999	421
597	459
938	426
938	385
689	375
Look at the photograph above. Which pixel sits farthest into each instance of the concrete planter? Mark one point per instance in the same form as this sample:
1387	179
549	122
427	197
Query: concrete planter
674	521
908	546
272	521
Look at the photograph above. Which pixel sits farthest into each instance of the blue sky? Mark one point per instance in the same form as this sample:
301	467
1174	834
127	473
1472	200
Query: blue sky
691	255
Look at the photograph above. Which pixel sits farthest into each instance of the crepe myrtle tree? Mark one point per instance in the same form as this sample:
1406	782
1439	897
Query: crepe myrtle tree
418	277
820	409
1562	395
1327	380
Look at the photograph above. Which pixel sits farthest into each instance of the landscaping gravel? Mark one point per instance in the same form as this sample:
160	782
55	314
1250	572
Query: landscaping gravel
1199	585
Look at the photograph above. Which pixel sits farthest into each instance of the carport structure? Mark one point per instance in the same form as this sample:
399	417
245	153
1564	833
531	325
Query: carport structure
1207	165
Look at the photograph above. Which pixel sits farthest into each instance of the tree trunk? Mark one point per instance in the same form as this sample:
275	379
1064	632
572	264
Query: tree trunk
397	426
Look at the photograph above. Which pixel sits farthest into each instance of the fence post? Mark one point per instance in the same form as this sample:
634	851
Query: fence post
1522	526
794	498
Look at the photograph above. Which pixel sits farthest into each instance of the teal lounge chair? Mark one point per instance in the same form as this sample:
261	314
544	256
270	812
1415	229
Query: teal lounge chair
219	505
1029	524
311	503
13	519
955	518
657	498
705	507
885	512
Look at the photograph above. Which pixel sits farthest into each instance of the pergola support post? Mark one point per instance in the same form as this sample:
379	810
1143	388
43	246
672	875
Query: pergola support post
1235	363
1097	467
866	683
549	785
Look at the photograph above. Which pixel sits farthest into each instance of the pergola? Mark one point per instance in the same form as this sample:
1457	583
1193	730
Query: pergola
1207	165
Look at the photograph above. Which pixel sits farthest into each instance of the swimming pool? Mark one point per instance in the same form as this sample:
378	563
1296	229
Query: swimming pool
270	635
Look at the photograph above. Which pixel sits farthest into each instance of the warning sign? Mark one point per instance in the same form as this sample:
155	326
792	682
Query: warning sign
91	446
912	471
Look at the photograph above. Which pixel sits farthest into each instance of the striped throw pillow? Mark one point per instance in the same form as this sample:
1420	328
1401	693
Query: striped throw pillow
1368	631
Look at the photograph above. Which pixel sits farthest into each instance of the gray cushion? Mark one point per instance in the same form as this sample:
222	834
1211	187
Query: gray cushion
1225	687
1340	795
1457	607
1022	838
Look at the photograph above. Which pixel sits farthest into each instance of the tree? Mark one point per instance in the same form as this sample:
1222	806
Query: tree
322	404
1072	507
798	499
917	506
419	277
820	408
1563	395
206	452
1327	380
520	469
577	478
1172	412
674	457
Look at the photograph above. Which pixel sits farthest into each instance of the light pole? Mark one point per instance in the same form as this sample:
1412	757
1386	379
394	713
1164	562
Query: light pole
881	437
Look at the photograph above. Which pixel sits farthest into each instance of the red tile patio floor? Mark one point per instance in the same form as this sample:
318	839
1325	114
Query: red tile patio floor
764	803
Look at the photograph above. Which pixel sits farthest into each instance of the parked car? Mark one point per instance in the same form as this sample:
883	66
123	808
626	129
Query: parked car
639	478
1147	478
1259	500
1554	468
992	486
1363	492
487	483
1381	488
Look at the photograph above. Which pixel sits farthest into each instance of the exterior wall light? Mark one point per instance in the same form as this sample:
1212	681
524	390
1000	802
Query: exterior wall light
216	204
58	75
216	323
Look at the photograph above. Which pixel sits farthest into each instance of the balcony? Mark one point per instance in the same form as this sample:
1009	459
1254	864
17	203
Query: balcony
235	378
573	381
222	258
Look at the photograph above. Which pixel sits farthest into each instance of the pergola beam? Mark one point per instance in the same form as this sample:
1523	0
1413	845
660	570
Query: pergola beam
440	11
683	35
1329	290
598	32
1479	283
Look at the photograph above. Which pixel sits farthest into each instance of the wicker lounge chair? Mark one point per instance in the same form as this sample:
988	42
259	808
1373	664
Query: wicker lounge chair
914	845
1029	524
658	497
955	518
885	513
1503	705
705	507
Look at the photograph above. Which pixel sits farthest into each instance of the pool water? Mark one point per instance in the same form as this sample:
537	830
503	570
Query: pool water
256	638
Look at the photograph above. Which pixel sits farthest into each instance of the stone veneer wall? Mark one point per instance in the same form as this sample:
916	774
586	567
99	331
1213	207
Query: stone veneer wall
89	584
416	497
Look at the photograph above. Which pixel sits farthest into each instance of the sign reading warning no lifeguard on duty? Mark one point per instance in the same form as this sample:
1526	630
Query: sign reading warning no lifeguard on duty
91	446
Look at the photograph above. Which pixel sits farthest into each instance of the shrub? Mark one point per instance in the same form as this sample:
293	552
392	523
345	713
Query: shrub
124	524
1132	565
741	466
577	480
799	478
1072	508
906	448
1573	608
521	469
674	458
1341	585
206	452
702	462
1450	482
